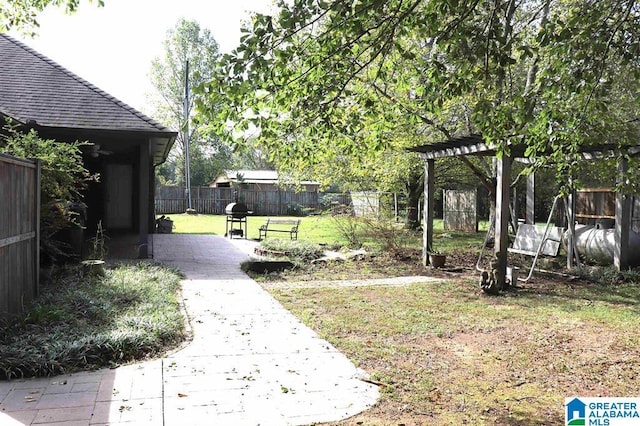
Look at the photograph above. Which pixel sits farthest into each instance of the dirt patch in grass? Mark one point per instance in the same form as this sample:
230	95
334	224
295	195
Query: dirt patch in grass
378	265
445	353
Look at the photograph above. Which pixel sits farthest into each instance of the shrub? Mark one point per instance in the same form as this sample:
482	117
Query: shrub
63	177
327	200
608	275
382	232
392	238
295	210
350	228
294	249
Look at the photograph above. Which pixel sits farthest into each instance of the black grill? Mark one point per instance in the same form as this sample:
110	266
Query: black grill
236	220
236	210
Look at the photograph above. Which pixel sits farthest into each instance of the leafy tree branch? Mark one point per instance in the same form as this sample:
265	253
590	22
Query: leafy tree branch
22	14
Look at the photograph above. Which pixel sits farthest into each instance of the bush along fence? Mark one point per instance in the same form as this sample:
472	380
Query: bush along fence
19	233
207	200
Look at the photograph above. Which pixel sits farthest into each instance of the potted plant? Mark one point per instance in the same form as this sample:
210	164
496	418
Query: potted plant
437	259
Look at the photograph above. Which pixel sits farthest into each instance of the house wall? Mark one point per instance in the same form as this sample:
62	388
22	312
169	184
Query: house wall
130	209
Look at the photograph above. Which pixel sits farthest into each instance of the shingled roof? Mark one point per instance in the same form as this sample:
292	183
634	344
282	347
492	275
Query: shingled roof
36	90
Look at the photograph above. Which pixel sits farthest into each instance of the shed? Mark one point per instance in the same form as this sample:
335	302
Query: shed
261	180
37	93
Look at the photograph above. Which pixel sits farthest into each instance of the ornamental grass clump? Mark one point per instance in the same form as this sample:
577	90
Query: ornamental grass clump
131	313
293	249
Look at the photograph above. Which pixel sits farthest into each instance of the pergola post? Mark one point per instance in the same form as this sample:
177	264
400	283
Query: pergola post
531	204
623	222
427	211
503	176
571	227
515	207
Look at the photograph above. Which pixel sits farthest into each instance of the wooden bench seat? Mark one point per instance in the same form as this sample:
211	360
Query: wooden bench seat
289	226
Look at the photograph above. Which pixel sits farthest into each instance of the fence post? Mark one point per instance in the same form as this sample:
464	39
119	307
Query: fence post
36	261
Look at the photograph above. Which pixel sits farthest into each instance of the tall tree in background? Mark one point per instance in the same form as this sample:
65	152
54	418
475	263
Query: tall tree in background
187	42
339	82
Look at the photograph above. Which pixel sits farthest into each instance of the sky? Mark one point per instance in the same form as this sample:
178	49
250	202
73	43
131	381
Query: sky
112	46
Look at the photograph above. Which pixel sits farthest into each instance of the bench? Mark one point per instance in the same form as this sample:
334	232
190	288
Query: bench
528	240
280	225
533	241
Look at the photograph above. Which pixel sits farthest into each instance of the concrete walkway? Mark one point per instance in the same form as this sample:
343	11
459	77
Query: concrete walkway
250	361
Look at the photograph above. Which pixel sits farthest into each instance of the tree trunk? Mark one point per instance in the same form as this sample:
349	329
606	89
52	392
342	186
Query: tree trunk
415	187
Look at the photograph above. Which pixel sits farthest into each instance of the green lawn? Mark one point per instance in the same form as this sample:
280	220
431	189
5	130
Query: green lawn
317	229
327	229
446	354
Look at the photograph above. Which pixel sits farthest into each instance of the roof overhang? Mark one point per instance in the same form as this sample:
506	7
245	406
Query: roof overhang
160	142
160	147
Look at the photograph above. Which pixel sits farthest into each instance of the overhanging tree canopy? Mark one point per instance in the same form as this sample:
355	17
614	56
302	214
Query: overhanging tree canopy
22	14
330	80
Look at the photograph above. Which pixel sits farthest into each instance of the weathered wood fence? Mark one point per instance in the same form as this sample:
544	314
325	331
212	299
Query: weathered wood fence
19	233
597	206
460	210
278	202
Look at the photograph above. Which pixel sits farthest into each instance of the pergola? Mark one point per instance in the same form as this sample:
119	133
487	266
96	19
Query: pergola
475	145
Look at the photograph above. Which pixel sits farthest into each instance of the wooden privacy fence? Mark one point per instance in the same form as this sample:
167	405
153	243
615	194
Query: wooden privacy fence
207	200
597	206
19	233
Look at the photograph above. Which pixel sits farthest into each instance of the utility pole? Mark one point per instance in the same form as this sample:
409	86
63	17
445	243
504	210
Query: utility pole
187	171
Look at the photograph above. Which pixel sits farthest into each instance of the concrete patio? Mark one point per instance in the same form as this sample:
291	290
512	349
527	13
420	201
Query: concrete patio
249	362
